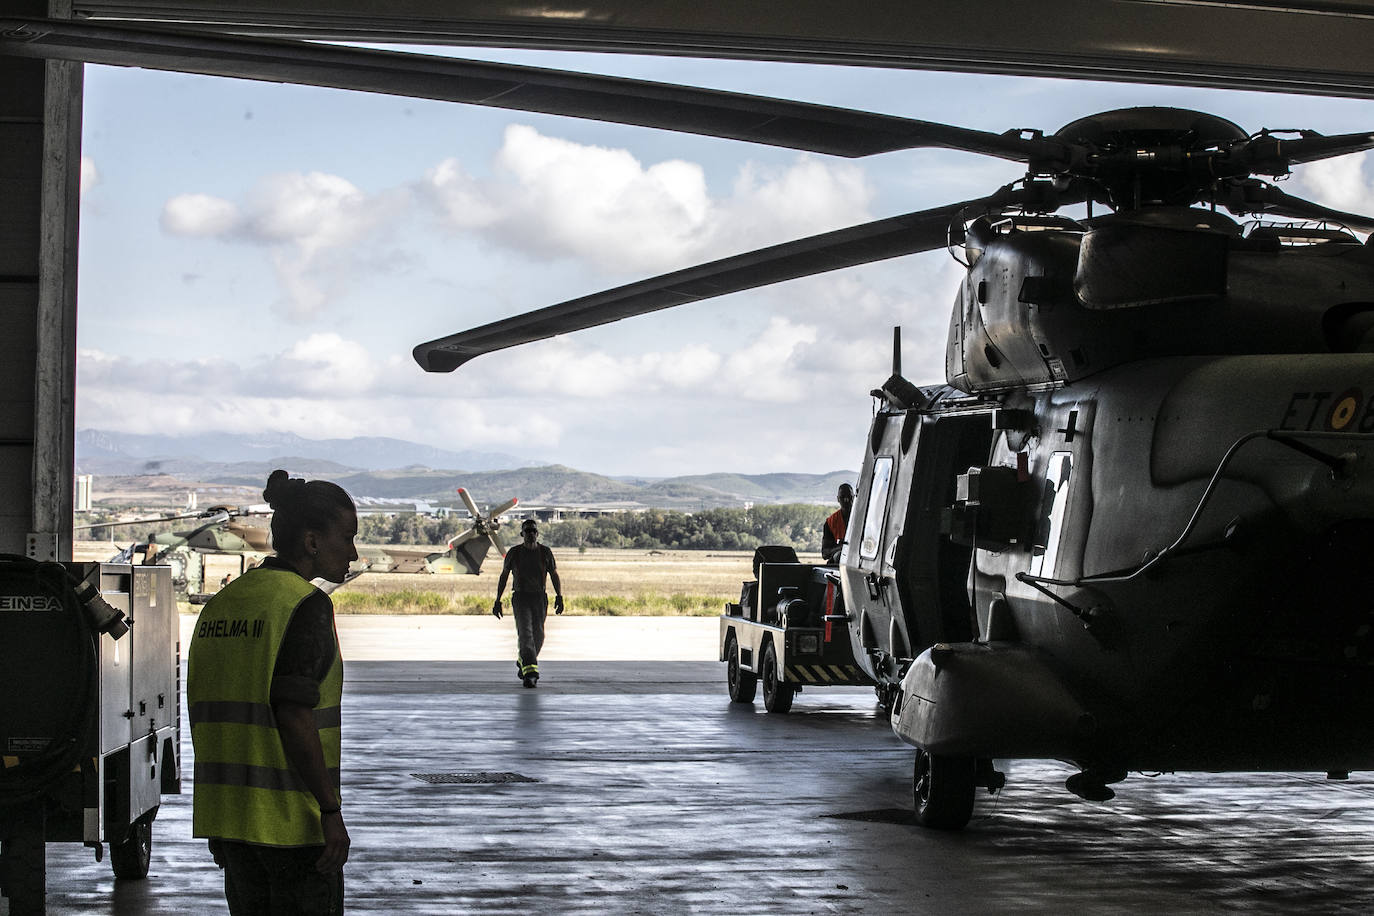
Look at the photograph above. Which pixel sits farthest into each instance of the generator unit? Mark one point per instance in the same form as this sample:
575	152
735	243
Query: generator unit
90	720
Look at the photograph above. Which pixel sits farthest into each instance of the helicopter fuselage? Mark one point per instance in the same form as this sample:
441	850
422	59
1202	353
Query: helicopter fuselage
1132	531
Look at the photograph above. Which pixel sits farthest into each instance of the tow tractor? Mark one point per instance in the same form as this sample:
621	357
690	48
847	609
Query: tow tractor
789	630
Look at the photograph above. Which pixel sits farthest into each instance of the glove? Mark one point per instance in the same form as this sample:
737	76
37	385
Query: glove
496	609
558	604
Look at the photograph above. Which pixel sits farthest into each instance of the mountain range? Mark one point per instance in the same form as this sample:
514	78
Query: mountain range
393	469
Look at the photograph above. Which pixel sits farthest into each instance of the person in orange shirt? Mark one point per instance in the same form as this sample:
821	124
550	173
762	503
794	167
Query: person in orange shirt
833	531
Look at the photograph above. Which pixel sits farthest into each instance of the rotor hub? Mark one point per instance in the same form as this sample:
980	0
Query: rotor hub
1150	156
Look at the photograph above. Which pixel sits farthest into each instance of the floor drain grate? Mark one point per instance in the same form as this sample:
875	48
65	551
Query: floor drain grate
471	779
880	816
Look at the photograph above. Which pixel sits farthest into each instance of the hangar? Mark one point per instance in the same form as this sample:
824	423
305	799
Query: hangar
1315	46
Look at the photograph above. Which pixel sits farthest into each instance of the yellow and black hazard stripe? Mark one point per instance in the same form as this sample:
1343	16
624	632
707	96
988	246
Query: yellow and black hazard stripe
825	674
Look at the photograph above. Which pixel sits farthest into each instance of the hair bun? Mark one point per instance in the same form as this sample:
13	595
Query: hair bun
283	489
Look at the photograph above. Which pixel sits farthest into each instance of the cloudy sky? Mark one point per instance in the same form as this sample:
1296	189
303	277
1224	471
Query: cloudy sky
264	257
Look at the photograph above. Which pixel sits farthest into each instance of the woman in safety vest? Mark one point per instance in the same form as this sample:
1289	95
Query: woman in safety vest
264	685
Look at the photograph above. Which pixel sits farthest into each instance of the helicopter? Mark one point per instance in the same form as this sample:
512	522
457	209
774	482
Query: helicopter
1130	529
225	542
465	552
230	540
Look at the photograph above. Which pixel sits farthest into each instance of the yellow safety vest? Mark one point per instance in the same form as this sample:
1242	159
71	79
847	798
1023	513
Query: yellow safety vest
245	788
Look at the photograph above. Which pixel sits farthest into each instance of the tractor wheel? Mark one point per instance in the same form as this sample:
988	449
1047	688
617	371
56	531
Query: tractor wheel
130	858
943	789
742	684
777	693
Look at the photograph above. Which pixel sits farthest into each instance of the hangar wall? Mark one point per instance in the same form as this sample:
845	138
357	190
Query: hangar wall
40	174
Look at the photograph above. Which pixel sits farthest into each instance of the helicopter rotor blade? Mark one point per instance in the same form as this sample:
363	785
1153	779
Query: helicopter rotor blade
504	507
495	537
732	115
469	504
1271	155
1262	198
140	521
875	241
462	538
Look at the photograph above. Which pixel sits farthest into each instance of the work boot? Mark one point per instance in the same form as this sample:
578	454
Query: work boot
531	680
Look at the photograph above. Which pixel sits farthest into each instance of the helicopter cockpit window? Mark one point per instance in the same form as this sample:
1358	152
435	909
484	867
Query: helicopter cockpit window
1049	520
877	509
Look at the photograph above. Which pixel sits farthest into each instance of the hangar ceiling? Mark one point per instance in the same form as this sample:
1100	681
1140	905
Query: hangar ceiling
1310	46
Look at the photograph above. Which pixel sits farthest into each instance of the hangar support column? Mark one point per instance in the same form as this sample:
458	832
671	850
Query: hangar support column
40	178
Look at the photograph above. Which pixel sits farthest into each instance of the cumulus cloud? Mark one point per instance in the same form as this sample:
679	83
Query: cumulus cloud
310	222
90	175
320	386
546	197
328	365
199	215
555	198
1341	183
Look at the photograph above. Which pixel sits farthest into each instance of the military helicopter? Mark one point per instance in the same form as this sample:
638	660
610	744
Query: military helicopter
230	540
1131	530
465	552
224	542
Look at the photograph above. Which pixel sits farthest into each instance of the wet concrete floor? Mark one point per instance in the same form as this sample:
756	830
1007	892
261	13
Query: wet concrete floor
651	793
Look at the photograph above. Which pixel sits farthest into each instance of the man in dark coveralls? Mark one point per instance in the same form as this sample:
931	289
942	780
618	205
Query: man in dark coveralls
530	562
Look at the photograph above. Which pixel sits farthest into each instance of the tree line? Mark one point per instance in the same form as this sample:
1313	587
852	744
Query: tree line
796	525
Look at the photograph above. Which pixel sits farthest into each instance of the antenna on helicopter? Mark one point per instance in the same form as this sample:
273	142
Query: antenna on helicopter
897	391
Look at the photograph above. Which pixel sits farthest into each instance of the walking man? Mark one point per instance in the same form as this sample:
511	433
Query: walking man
529	562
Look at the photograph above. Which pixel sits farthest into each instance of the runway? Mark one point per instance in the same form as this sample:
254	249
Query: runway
634	786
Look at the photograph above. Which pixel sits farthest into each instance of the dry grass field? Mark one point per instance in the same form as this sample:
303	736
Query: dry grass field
604	582
595	582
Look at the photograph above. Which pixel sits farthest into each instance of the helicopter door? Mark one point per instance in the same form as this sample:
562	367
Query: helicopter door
932	570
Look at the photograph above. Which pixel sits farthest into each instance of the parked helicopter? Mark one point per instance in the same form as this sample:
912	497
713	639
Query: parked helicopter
229	540
465	552
1131	530
224	542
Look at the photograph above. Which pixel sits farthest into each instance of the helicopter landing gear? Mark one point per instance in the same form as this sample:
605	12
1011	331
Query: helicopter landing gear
943	789
887	696
1092	784
987	776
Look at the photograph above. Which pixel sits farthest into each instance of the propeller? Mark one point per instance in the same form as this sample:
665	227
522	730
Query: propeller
487	525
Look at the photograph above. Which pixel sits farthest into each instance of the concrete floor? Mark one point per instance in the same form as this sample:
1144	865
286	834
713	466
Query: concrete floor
653	794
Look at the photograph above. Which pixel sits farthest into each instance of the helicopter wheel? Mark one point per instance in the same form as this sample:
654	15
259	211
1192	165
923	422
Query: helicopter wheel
742	683
777	693
943	789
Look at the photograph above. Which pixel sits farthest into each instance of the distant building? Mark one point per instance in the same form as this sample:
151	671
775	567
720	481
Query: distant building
84	485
